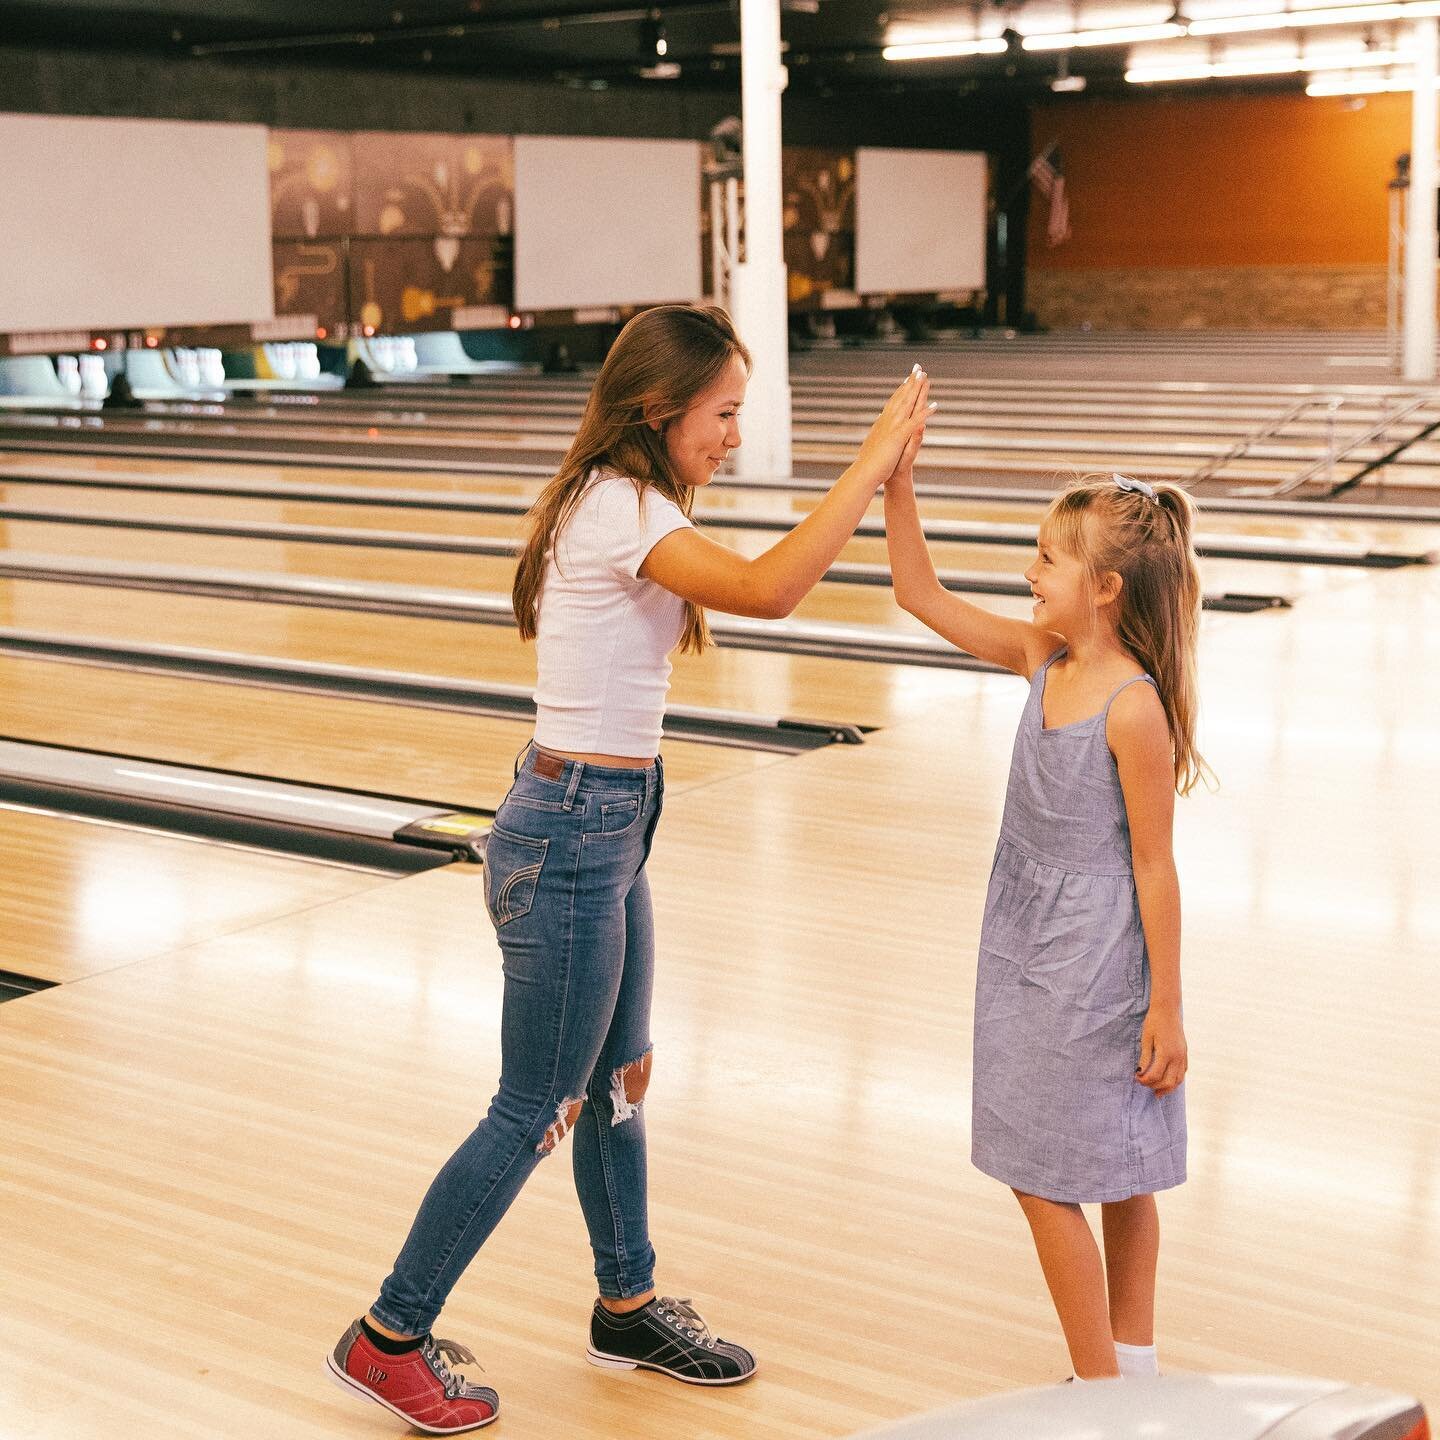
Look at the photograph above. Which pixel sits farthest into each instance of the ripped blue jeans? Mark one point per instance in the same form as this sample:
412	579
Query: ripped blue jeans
566	890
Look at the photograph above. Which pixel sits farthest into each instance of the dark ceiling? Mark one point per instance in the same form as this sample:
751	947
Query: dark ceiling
833	46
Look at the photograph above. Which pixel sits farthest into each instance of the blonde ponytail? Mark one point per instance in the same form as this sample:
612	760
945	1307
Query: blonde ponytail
1144	534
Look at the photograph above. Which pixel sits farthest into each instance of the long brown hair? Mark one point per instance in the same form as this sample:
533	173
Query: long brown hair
1148	543
661	361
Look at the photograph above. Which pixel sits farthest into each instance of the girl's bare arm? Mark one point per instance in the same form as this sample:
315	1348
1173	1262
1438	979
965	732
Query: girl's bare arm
1140	741
1015	644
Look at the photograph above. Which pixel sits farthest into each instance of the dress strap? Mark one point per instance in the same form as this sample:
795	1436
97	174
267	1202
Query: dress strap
1133	680
1045	665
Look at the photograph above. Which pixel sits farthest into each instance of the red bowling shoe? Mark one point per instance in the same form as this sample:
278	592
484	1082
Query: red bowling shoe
415	1386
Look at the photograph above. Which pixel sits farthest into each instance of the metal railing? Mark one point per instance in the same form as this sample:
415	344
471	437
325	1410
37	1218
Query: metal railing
1272	427
1326	463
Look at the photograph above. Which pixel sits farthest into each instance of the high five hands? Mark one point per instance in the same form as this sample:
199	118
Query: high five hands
904	472
898	429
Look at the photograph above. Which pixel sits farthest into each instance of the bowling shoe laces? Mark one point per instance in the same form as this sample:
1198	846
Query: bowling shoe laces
668	1336
416	1386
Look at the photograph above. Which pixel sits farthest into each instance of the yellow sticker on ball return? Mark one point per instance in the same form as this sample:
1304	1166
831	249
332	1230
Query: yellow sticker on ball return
455	824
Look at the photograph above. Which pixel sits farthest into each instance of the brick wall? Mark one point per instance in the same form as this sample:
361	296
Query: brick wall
1257	297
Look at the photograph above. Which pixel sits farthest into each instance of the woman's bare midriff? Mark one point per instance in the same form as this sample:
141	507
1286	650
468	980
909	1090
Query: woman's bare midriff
615	762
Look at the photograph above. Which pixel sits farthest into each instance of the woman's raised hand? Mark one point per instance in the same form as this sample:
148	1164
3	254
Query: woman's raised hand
904	415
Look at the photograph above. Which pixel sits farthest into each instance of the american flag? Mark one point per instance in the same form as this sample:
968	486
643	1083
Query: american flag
1046	173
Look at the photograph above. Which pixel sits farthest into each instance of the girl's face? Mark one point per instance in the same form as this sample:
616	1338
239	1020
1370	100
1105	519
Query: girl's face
1065	599
699	441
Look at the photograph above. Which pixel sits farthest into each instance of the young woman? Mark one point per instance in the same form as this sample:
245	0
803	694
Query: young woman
613	575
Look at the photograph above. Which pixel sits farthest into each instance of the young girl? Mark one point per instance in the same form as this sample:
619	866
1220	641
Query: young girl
1079	1048
613	575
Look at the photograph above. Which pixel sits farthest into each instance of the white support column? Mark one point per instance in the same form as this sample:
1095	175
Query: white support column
1420	236
759	304
719	260
732	219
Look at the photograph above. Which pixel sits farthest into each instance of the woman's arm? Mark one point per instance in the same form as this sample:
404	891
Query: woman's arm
1015	644
771	585
1140	741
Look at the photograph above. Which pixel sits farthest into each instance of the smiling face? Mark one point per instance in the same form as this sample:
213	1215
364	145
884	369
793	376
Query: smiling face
1067	600
698	442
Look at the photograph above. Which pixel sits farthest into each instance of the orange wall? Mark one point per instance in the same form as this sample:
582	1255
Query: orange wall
1260	180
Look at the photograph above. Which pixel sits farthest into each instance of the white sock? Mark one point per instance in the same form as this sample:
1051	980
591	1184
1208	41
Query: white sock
1136	1359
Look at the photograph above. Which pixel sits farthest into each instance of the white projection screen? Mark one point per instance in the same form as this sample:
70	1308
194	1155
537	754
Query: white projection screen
919	221
119	224
603	222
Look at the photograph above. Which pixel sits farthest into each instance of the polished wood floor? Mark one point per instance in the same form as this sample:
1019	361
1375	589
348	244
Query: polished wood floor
205	1168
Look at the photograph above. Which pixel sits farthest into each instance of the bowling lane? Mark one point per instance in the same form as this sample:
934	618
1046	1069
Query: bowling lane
1104	431
538	417
426	754
776	504
837	602
800	686
850	604
1023	452
843	603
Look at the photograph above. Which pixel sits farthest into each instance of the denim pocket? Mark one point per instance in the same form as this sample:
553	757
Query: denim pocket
619	816
512	873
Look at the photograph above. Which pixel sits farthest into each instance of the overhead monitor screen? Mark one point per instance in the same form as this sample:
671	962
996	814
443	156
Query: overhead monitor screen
605	222
119	224
919	221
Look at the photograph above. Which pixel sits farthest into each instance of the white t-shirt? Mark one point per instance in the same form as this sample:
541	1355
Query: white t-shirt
604	634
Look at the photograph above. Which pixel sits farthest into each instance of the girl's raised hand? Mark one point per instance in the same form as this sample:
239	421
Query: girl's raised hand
903	417
904	471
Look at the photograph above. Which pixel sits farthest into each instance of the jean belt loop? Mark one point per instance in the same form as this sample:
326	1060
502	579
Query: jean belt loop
575	774
521	758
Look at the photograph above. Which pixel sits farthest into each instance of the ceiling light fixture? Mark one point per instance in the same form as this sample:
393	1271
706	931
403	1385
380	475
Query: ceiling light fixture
1238	69
944	49
1113	35
940	48
1221	70
1308	19
1342	84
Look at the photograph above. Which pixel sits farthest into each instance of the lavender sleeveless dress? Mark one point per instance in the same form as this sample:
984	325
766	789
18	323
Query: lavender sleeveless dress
1064	982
